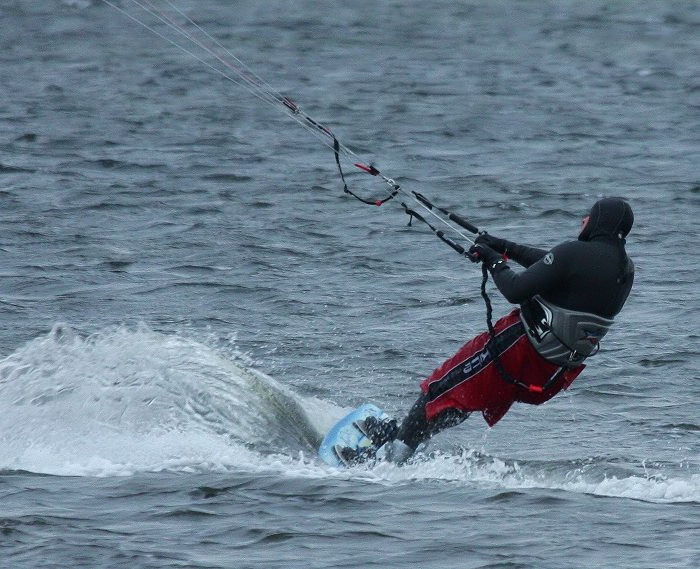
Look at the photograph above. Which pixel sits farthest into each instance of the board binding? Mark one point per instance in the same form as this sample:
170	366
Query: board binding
347	433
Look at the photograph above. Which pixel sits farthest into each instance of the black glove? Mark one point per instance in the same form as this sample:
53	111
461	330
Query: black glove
480	252
496	243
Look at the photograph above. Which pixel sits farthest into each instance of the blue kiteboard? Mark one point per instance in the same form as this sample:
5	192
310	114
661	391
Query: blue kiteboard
345	433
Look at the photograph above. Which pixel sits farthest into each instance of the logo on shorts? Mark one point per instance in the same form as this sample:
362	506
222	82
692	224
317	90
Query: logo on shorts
549	258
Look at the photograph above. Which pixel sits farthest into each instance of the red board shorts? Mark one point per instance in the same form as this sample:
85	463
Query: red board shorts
469	380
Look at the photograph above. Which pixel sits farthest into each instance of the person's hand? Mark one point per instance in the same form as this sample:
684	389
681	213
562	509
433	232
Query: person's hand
480	252
496	243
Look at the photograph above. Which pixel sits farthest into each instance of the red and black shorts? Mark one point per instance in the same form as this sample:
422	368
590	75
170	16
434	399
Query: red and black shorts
469	380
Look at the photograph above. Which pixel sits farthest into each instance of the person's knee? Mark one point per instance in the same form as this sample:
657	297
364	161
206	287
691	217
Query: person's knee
450	418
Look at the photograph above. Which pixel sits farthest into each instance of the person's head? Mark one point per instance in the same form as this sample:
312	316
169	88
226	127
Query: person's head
609	217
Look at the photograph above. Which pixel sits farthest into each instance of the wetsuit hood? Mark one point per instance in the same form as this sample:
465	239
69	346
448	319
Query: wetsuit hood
609	218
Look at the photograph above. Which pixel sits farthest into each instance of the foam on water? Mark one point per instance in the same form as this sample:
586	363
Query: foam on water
125	401
471	467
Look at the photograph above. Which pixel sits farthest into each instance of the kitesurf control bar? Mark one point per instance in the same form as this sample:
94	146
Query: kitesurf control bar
440	234
458	219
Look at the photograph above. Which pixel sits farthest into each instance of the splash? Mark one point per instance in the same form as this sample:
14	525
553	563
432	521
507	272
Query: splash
131	400
594	476
125	401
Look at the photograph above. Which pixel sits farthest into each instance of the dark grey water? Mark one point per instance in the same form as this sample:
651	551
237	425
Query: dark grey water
188	300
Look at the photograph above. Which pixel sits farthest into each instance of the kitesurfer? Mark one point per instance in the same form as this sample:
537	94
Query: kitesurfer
568	297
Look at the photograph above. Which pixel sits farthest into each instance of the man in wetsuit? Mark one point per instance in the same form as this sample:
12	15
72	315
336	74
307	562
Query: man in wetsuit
568	297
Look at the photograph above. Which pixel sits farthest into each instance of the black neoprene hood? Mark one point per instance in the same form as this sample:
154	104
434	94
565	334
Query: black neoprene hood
609	217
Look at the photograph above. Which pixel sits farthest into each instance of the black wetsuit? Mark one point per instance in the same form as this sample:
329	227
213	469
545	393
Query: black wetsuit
593	274
587	276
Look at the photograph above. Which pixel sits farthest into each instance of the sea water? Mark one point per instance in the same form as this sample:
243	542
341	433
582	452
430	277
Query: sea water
189	301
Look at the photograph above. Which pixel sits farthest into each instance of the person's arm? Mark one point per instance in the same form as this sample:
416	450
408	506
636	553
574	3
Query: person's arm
522	254
541	276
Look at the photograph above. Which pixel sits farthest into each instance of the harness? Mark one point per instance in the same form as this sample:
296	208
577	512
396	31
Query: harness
561	336
495	355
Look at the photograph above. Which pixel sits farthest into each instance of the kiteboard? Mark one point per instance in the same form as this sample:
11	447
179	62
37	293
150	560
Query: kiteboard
346	433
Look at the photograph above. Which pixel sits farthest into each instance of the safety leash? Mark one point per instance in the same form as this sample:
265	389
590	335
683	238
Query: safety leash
493	349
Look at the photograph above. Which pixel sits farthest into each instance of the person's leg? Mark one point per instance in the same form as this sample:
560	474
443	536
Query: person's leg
397	444
463	383
416	428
